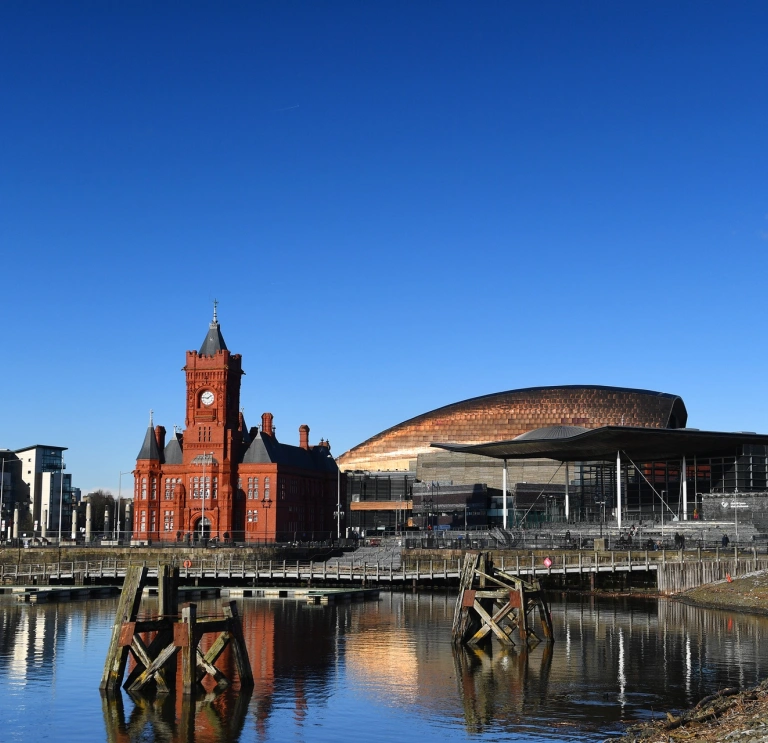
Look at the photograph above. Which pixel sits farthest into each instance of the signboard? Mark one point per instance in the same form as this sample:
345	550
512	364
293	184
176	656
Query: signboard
734	504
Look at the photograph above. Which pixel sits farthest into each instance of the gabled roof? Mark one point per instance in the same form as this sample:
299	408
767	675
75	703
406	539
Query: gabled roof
173	450
260	450
149	449
266	449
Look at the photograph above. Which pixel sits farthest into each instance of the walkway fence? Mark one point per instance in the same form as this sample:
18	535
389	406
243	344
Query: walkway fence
675	571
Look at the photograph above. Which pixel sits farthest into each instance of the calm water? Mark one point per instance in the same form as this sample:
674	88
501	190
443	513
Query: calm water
382	670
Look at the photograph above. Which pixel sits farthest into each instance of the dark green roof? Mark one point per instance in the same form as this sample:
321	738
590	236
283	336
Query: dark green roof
214	341
149	449
173	453
265	449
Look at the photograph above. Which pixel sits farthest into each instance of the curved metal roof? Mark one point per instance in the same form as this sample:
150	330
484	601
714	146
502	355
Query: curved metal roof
504	415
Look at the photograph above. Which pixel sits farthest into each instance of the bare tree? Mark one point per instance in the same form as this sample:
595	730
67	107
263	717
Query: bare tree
101	500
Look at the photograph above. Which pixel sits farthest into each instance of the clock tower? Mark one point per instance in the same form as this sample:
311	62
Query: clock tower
218	479
213	399
212	436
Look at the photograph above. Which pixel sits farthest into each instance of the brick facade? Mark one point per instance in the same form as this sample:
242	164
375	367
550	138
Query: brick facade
245	484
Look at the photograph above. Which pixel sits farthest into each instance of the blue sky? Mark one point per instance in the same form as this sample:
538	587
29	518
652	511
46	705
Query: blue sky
398	205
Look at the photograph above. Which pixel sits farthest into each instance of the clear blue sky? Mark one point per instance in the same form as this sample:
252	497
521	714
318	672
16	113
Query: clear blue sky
398	205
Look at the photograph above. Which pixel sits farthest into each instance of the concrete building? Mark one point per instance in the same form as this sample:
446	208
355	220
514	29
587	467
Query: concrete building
38	484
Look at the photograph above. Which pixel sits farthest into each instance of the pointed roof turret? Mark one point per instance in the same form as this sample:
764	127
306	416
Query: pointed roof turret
243	428
149	449
173	449
214	341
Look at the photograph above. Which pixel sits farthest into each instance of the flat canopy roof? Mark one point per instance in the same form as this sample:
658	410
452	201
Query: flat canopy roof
601	444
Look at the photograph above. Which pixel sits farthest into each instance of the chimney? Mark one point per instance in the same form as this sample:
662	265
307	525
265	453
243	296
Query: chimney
266	423
160	437
304	436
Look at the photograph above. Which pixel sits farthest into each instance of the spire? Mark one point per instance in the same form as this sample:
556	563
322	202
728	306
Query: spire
214	341
149	449
173	453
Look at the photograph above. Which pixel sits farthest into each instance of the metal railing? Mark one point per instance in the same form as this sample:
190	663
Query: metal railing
351	571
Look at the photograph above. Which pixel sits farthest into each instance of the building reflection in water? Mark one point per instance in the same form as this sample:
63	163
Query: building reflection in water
291	649
490	678
176	718
31	635
613	660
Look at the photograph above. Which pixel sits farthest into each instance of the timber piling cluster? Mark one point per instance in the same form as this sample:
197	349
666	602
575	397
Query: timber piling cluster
155	659
492	601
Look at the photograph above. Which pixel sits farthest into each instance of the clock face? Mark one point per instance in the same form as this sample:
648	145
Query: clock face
207	398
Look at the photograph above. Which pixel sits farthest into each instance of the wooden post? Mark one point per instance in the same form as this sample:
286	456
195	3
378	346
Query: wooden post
127	611
239	648
168	591
185	636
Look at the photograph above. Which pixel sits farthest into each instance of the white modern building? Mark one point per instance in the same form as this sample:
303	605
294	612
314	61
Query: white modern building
44	486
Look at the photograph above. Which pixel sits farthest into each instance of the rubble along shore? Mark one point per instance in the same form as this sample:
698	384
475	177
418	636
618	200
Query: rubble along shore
731	714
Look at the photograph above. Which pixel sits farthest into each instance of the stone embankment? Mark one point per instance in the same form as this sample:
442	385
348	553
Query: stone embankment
164	555
738	715
734	715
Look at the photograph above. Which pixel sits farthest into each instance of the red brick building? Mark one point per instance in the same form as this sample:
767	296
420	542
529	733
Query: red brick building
218	479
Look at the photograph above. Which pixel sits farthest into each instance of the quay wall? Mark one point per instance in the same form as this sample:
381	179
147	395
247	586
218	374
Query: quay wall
153	555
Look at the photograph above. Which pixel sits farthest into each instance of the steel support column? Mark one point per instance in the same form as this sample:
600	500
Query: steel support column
618	487
504	494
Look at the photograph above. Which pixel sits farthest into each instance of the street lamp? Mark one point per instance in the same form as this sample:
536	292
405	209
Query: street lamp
601	503
117	505
61	495
210	460
338	514
266	503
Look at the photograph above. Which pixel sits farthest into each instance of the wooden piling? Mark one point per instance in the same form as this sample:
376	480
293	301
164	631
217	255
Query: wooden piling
156	661
184	637
495	603
239	648
127	611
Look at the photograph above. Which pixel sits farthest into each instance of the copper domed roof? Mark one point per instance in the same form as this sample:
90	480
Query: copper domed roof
504	415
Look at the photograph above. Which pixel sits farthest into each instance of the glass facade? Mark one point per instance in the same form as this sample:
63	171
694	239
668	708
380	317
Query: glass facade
648	488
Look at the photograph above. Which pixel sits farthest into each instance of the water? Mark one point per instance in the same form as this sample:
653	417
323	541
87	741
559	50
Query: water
381	671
